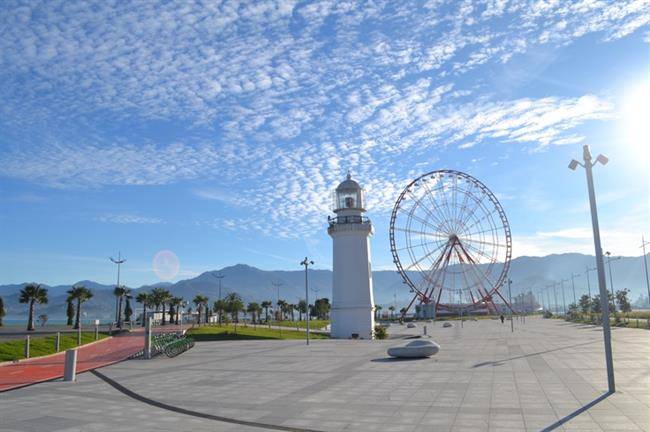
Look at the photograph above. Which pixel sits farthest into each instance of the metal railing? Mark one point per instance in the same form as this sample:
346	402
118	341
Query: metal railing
347	220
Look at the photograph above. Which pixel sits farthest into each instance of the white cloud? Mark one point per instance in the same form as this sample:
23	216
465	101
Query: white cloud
128	219
277	99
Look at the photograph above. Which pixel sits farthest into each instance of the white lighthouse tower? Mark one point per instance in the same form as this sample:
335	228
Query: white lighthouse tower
352	313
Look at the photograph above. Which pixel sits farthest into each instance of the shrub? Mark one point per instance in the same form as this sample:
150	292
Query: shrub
380	332
548	314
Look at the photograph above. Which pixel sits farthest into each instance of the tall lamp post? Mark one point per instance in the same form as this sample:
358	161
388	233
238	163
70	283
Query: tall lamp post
306	262
512	321
573	287
587	276
609	266
645	265
548	297
119	261
600	265
220	277
563	297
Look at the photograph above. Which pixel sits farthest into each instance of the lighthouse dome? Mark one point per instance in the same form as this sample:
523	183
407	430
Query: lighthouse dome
349	195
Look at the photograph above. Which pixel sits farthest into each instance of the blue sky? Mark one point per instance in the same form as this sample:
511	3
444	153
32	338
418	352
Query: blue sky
217	131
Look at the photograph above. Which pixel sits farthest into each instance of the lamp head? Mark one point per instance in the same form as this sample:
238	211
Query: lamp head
602	159
573	164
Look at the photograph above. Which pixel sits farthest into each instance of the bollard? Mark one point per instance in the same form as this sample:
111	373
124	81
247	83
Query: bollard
70	369
147	339
96	332
425	330
27	347
110	329
79	335
57	342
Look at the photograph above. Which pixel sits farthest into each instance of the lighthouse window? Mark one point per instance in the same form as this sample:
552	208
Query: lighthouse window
349	202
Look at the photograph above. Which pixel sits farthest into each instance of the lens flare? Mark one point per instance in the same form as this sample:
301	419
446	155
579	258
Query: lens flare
166	265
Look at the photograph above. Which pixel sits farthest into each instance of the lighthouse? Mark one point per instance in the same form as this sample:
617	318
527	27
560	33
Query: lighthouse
352	313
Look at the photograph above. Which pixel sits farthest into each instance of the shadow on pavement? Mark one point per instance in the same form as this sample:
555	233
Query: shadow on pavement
500	362
577	412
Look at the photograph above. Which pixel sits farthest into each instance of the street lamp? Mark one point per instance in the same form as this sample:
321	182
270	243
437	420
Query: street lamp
306	262
587	270
645	265
573	287
512	321
563	298
600	265
609	266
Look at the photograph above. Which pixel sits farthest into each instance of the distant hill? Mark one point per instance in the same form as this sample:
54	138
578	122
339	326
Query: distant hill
527	273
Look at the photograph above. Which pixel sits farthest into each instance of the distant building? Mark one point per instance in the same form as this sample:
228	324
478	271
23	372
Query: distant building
352	299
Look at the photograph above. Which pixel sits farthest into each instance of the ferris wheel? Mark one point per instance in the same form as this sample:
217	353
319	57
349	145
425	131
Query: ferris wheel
451	242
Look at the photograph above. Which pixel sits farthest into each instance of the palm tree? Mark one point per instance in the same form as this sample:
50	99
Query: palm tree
119	292
302	309
3	312
377	310
291	308
69	312
161	297
145	299
32	293
219	308
176	303
281	308
266	304
199	301
80	294
391	309
235	305
252	308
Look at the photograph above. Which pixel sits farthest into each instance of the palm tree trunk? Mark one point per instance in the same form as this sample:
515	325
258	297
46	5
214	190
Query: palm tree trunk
163	320
119	313
144	314
30	320
76	321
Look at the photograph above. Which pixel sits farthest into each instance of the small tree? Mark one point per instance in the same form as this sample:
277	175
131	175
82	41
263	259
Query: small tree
623	301
42	320
380	332
572	311
3	311
585	303
392	311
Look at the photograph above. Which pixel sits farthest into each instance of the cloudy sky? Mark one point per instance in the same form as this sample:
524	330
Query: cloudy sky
217	130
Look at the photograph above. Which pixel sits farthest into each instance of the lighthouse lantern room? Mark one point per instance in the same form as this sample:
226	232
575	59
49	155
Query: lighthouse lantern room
352	313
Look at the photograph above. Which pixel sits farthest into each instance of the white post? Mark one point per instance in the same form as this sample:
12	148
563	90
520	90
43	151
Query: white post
27	346
147	339
70	369
57	342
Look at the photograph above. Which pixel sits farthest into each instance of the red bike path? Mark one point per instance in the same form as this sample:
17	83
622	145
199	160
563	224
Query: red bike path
91	356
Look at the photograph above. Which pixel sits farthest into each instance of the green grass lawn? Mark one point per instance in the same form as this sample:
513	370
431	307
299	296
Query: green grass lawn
313	324
40	346
227	332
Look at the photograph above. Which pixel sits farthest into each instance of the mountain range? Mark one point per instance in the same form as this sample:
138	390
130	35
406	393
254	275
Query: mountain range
253	284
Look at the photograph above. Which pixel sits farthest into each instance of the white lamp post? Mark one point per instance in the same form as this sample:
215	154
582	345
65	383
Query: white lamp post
600	265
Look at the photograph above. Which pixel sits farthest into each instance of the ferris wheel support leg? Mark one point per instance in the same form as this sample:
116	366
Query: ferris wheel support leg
505	301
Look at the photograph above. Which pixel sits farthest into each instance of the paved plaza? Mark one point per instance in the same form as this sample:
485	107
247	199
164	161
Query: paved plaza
484	378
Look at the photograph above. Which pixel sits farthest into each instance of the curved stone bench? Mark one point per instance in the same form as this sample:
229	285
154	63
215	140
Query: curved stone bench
415	349
411	325
447	324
